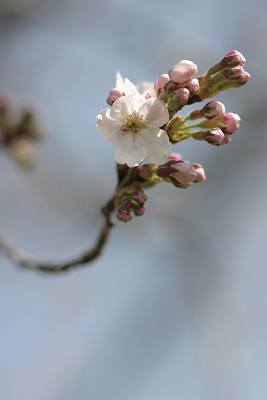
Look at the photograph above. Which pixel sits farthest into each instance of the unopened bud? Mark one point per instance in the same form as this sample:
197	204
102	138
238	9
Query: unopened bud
175	157
124	215
193	86
114	95
231	122
182	95
196	114
139	211
201	176
139	196
182	71
234	73
214	109
171	87
227	139
184	174
214	136
233	59
162	81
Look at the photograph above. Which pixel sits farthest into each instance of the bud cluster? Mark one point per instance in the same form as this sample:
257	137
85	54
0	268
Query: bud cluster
16	136
131	203
226	74
216	126
176	87
221	125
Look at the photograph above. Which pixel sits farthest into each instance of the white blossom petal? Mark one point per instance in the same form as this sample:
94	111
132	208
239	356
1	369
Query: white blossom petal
129	149
157	144
125	85
146	86
155	113
108	125
119	81
126	105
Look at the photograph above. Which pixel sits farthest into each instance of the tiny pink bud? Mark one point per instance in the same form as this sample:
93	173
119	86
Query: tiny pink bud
234	73
214	109
227	139
124	215
162	81
126	204
201	176
183	95
234	58
246	77
184	174
172	86
214	136
175	157
139	196
231	122
114	95
193	86
139	211
182	71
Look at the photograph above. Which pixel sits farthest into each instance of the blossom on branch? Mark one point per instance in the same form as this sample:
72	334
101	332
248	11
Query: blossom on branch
133	125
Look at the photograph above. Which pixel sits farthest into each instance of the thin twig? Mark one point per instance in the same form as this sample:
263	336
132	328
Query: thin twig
23	259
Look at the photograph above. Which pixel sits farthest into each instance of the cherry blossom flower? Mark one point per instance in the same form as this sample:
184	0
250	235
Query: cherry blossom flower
133	125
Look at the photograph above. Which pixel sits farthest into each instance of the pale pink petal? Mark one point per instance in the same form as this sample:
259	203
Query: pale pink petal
126	105
157	144
155	113
108	125
146	87
125	85
129	149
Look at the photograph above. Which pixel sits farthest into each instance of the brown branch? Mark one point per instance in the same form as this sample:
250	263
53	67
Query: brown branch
21	258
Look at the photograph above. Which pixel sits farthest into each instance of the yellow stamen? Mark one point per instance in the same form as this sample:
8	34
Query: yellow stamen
133	123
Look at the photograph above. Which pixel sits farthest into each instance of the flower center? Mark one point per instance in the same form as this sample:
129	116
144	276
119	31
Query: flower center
133	123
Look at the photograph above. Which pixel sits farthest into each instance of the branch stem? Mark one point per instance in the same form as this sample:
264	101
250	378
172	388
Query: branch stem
23	259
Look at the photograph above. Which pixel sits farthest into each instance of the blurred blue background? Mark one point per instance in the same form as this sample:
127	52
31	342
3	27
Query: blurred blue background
176	306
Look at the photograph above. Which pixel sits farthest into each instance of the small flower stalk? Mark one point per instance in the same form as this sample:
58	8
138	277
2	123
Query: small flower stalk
143	122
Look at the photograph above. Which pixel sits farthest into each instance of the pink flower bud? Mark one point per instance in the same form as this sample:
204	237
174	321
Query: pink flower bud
193	86
227	139
182	95
161	81
184	174
231	122
124	215
139	211
201	176
246	77
234	58
171	87
182	71
214	136
126	204
175	157
139	196
214	109
234	73
114	95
